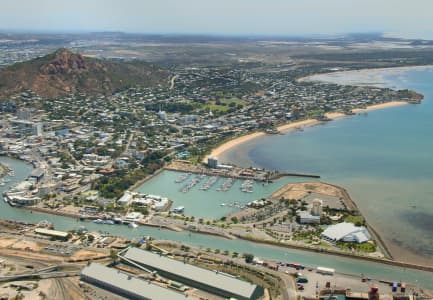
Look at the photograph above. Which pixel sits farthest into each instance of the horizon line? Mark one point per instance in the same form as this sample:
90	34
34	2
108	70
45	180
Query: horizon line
174	33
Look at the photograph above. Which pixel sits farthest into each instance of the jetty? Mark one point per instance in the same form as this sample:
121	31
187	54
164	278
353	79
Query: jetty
279	175
233	172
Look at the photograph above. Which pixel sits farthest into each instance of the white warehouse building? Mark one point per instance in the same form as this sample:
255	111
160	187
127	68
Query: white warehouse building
346	232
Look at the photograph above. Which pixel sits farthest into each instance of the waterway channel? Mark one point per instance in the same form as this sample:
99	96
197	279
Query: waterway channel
341	264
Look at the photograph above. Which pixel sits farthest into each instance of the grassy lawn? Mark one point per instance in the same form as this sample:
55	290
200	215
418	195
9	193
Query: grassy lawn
315	113
364	247
324	244
357	220
233	99
224	104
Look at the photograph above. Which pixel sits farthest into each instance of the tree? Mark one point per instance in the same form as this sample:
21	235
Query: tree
90	238
248	258
173	129
113	253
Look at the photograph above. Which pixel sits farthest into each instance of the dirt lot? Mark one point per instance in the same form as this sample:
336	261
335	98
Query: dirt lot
6	242
300	190
330	195
59	288
19	244
86	254
26	245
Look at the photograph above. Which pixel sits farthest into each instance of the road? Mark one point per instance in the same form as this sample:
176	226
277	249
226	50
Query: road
172	82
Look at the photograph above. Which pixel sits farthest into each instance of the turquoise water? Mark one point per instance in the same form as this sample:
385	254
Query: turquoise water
207	204
384	159
341	264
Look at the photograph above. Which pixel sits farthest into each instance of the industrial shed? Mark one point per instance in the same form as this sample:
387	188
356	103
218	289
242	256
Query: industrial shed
216	283
126	285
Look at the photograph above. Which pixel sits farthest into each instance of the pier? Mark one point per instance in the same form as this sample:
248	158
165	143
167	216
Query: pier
234	172
279	175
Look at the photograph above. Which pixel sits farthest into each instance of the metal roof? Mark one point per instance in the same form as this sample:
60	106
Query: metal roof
51	232
340	230
133	285
214	279
38	172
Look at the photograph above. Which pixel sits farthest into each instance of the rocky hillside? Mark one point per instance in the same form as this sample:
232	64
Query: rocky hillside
64	72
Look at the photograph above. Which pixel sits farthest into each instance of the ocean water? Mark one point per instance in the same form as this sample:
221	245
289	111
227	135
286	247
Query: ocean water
383	158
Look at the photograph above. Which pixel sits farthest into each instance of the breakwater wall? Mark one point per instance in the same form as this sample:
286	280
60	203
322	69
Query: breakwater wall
211	172
337	253
279	175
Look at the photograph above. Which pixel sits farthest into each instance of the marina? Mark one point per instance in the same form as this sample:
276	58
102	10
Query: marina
196	180
216	200
208	184
340	264
182	178
226	185
247	186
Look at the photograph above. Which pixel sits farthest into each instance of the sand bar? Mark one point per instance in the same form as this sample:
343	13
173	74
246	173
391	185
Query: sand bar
371	75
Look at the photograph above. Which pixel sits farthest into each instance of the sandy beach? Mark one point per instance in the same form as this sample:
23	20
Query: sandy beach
367	74
218	151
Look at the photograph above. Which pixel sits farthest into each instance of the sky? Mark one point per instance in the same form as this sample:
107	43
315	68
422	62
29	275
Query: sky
225	17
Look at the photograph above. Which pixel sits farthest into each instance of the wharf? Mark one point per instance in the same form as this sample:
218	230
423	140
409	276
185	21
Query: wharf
209	172
233	172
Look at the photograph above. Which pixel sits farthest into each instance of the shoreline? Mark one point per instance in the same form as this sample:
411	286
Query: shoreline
237	141
230	235
397	263
286	128
391	262
325	251
361	71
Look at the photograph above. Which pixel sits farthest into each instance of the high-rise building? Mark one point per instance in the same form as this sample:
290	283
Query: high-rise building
316	210
212	162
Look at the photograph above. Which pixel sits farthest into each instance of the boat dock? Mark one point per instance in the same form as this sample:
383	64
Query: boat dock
226	185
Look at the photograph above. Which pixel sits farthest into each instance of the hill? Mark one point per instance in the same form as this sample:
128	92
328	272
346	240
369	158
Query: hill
64	72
